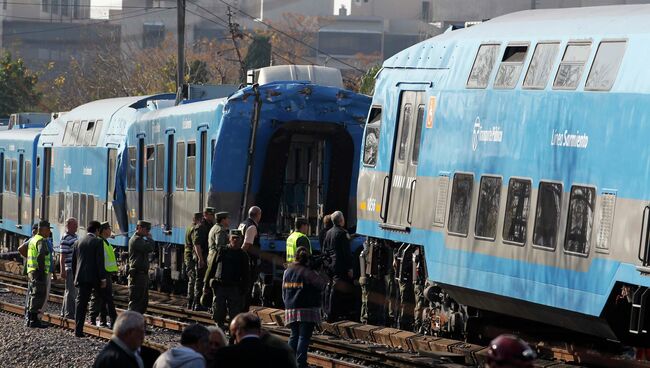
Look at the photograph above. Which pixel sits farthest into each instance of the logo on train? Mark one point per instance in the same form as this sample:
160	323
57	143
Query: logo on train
494	134
570	140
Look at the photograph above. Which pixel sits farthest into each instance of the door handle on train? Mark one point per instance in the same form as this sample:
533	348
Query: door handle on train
382	214
408	210
644	247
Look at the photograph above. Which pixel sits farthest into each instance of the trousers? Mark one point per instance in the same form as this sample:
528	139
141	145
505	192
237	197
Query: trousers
139	292
299	340
227	300
68	306
37	291
102	302
84	291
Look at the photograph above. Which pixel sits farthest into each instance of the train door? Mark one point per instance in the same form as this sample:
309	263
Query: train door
169	184
110	189
19	188
401	190
140	179
202	169
45	190
26	215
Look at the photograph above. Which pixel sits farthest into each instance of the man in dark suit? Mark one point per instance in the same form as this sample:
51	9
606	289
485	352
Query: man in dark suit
337	246
123	350
89	272
249	350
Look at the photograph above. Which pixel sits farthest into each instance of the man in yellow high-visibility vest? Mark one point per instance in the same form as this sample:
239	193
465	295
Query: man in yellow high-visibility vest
102	299
298	238
38	270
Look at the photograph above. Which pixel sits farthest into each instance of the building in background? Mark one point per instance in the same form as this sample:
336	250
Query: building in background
49	33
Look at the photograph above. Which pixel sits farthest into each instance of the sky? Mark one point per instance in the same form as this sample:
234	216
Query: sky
99	8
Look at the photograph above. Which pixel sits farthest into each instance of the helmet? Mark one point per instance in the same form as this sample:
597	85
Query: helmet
510	351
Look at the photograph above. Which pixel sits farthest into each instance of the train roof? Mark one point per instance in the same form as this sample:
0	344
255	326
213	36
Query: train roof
25	135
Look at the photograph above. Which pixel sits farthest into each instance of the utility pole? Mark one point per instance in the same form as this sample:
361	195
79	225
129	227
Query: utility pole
180	77
235	34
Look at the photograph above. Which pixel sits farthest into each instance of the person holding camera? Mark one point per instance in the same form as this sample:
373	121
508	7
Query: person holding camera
301	293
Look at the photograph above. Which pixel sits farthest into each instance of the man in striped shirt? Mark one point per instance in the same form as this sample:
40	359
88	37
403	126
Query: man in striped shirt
65	263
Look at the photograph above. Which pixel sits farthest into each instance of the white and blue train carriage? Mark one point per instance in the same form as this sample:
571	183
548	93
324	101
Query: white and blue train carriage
514	154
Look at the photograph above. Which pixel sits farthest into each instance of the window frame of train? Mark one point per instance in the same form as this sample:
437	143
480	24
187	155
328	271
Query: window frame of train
547	61
190	167
573	63
160	167
505	233
486	74
512	58
590	219
132	168
150	164
597	60
539	215
180	165
27	181
466	212
373	126
493	211
7	168
14	176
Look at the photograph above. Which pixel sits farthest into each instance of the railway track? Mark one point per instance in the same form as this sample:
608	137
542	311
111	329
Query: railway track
362	344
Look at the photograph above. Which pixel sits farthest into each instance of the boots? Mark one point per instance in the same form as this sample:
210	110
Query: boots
102	322
35	322
112	322
93	321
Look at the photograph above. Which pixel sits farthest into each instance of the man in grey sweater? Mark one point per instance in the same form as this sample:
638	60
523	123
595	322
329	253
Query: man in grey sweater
194	344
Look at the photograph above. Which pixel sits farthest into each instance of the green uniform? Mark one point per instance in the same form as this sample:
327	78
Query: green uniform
190	265
200	238
38	270
294	241
228	275
139	249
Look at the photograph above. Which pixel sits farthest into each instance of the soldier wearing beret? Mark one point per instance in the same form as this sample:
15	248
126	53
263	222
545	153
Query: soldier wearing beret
228	277
189	260
200	242
140	246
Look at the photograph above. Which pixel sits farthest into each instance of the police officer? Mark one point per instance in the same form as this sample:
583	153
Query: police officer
102	299
227	275
200	242
298	238
252	247
375	265
140	246
189	261
218	236
38	270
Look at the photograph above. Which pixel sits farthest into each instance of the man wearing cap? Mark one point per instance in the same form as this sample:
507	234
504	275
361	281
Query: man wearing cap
38	271
140	246
228	277
218	236
200	242
22	250
102	300
252	247
189	261
298	238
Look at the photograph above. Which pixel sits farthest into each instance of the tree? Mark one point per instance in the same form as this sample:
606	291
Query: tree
17	86
259	53
367	83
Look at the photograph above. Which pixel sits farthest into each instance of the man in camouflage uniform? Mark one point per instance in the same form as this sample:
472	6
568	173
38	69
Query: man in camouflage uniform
189	260
200	242
140	246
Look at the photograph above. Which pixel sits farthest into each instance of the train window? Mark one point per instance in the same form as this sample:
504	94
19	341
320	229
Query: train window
37	177
607	209
76	128
88	133
547	216
580	220
61	213
7	175
461	202
112	164
511	65
97	132
572	65
605	67
131	170
541	65
150	157
483	65
213	145
190	166
418	135
82	208
517	205
67	135
403	140
487	213
82	133
75	205
14	175
27	183
91	208
371	141
180	165
160	166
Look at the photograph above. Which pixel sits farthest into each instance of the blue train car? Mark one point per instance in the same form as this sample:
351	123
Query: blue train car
513	154
287	147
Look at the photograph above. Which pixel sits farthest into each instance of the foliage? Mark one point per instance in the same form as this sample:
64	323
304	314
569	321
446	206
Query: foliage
17	86
367	82
259	52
